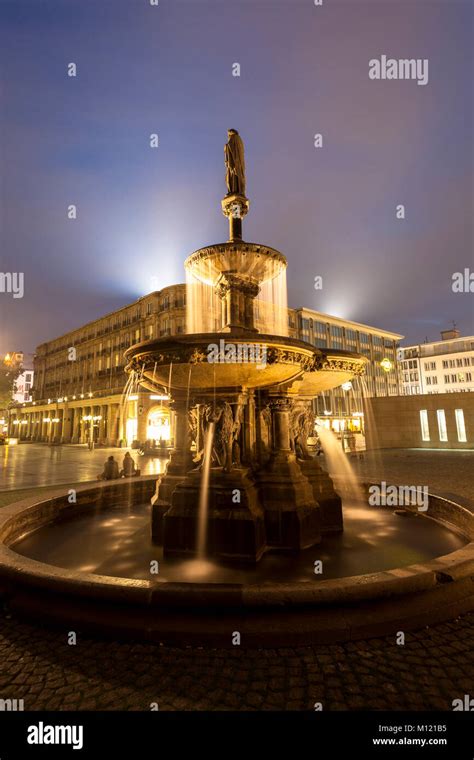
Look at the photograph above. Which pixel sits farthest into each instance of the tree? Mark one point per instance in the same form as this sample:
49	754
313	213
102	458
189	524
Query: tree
8	374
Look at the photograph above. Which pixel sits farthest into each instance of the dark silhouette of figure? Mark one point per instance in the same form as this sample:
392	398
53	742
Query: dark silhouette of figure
235	163
111	470
128	467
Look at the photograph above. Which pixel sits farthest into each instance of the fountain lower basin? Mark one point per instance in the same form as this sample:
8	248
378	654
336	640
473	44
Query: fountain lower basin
268	610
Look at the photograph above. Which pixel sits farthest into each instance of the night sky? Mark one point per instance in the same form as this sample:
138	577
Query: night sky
168	70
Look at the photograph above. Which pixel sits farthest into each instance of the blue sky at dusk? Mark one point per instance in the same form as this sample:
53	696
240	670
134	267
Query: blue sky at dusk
168	69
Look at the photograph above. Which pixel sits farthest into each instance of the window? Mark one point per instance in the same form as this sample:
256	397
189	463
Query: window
427	366
434	380
454	378
447	379
425	428
469	377
458	362
442	429
428	381
466	361
351	335
460	426
445	364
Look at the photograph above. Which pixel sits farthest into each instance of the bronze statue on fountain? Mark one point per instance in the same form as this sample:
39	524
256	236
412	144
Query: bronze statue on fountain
266	491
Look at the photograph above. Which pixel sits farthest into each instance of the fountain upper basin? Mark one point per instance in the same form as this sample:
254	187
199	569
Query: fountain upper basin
186	361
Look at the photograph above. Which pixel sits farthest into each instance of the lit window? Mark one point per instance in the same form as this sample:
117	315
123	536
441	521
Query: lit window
460	426
425	428
442	429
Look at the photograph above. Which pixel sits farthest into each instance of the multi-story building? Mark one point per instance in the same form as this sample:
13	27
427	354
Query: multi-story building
341	409
80	380
23	385
444	366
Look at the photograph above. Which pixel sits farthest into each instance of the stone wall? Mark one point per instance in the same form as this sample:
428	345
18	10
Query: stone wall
394	421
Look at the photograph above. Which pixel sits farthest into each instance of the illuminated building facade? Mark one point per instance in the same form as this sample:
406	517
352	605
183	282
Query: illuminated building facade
443	366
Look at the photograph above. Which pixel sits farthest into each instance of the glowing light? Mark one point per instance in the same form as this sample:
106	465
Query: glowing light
46	419
327	411
347	386
133	398
386	365
358	414
158	398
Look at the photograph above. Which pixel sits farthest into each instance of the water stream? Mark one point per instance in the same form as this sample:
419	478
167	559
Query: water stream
201	543
339	466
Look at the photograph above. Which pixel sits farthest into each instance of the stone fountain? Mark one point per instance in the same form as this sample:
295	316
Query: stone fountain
232	378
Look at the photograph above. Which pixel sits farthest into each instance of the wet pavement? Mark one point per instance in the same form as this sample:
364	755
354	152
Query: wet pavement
33	464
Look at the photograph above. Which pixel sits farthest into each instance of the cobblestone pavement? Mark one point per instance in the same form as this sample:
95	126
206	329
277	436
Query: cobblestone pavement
435	666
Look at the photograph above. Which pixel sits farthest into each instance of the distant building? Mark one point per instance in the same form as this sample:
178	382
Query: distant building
444	366
80	376
23	386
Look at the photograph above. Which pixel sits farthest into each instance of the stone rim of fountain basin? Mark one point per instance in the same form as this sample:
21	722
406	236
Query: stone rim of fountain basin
287	360
202	613
268	262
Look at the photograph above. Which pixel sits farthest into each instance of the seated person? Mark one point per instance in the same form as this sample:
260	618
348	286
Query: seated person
111	470
128	467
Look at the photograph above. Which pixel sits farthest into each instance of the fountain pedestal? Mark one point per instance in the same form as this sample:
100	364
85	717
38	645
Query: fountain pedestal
235	525
292	515
180	462
329	501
